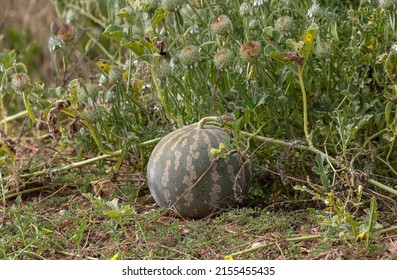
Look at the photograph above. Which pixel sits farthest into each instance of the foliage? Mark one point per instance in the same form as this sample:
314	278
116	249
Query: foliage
307	88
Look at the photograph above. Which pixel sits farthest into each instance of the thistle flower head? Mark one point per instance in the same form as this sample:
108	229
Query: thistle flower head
323	49
189	55
19	81
315	11
284	24
115	74
92	113
250	51
387	4
163	69
258	3
245	10
66	32
223	58
221	25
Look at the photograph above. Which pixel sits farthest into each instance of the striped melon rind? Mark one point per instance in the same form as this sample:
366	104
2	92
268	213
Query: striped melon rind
184	176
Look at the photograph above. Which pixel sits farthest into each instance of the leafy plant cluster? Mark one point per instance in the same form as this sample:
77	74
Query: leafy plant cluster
308	87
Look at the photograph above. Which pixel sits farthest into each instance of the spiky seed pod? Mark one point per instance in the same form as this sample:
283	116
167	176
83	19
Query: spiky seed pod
87	95
250	51
284	24
189	55
19	81
172	5
221	25
92	113
66	32
162	70
224	58
115	74
323	49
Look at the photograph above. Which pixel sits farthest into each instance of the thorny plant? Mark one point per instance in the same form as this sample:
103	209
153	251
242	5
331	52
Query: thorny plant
314	76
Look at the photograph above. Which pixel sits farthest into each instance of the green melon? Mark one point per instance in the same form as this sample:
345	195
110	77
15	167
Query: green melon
183	175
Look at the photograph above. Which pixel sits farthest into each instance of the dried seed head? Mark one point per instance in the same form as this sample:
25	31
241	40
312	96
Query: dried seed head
66	32
115	74
189	55
172	5
250	51
323	49
315	11
55	43
19	81
221	25
284	24
245	10
258	3
224	58
387	4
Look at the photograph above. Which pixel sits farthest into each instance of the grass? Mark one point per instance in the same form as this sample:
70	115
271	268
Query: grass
73	224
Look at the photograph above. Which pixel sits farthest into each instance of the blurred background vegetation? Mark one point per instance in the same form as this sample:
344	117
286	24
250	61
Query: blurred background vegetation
24	27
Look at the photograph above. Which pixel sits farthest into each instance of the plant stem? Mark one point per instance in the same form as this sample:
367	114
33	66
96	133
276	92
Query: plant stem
386	230
289	144
267	245
14	117
304	98
206	120
28	107
382	186
316	151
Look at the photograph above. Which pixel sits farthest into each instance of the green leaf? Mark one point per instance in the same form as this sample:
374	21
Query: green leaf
296	46
128	14
353	225
78	236
159	15
279	56
372	219
114	204
304	189
116	215
334	32
308	39
136	47
114	31
388	112
322	170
